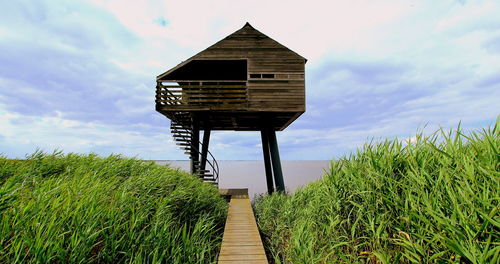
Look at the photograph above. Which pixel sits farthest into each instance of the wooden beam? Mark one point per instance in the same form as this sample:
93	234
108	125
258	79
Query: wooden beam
195	140
204	148
267	160
276	162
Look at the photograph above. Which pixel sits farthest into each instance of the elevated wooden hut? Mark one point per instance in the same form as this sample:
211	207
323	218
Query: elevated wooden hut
248	82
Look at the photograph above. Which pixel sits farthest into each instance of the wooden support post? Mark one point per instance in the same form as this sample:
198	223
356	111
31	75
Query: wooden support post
204	149
195	145
267	160
275	156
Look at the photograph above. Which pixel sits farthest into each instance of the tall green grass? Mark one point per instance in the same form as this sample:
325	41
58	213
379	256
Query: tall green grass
86	209
435	200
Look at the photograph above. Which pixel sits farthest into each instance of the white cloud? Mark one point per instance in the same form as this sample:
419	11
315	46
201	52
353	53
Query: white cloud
375	69
21	135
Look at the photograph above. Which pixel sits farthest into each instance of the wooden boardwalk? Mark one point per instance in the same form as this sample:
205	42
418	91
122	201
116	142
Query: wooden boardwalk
241	242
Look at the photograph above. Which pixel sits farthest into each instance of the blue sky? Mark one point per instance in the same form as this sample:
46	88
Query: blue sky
80	75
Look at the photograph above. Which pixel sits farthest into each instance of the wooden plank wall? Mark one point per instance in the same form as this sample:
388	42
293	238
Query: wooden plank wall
284	92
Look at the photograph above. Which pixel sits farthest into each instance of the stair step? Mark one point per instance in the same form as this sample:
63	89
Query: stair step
209	180
182	134
179	132
175	134
182	140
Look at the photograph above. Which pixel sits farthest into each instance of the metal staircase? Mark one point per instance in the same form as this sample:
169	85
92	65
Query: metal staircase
206	168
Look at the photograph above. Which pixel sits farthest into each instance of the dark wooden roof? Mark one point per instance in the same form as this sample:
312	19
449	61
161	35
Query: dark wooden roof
232	44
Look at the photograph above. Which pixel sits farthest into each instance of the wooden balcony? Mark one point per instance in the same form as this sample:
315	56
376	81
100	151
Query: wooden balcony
201	95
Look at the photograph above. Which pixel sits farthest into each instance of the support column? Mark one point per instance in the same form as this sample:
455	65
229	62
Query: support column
267	160
204	149
195	145
275	156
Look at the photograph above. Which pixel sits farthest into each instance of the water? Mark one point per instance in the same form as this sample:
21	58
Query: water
252	175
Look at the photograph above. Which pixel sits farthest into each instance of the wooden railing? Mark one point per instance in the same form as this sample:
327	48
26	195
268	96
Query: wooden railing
200	93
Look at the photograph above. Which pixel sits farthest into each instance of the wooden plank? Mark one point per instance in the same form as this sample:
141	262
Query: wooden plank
267	86
215	91
241	242
213	96
276	96
223	86
201	100
222	81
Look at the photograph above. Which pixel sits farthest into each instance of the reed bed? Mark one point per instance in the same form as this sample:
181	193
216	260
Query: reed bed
70	208
432	200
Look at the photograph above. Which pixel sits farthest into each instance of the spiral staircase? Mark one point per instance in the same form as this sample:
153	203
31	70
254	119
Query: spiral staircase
206	167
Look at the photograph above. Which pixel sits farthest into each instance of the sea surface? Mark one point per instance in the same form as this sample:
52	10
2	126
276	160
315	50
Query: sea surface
252	175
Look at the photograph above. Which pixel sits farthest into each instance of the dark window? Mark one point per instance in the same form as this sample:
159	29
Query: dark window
255	75
268	75
211	70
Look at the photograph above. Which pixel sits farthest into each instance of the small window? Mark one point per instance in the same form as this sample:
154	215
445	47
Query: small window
268	75
255	75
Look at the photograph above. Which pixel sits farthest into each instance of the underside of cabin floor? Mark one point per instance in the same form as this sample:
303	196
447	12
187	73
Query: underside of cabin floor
238	121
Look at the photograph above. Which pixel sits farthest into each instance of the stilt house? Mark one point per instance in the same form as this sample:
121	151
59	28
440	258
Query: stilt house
245	82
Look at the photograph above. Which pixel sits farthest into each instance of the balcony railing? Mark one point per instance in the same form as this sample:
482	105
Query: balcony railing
177	94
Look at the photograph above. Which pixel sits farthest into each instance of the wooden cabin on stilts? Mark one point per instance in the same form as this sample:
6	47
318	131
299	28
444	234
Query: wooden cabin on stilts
245	82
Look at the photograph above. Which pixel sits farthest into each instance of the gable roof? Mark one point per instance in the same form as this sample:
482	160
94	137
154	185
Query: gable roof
246	30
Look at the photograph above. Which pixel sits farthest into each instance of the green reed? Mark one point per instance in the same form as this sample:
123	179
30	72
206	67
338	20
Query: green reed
70	208
435	200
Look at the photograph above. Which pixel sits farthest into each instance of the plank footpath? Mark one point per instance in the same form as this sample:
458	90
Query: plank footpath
241	242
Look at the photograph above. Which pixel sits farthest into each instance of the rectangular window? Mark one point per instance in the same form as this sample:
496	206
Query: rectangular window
255	76
231	70
268	75
262	75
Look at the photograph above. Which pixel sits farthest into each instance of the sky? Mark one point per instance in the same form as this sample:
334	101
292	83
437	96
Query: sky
79	76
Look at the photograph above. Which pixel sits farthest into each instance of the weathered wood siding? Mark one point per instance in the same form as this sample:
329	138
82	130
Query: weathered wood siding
284	92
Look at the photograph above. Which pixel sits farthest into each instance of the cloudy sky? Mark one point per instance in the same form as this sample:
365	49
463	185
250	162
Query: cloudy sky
80	75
